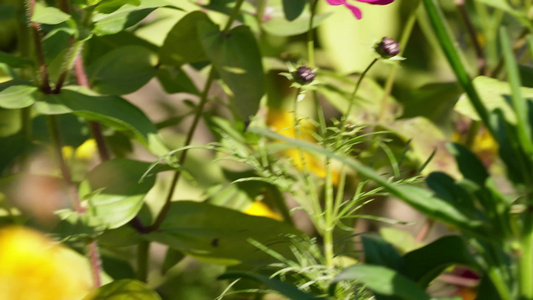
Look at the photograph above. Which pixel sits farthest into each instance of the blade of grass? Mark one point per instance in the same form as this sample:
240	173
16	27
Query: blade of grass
444	37
519	104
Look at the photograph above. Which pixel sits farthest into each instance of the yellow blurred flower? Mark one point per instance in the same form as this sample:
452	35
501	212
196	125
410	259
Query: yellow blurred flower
34	267
87	150
282	122
258	208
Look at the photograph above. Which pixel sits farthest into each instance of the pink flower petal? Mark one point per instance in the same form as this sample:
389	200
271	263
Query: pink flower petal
378	2
356	11
336	2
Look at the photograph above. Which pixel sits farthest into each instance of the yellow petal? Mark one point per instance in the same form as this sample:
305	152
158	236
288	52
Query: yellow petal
37	268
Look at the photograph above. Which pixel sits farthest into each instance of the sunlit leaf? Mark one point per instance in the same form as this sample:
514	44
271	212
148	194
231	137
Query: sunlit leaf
383	281
123	289
220	235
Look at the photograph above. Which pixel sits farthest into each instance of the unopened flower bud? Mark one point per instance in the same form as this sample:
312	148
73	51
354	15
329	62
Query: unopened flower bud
387	48
304	75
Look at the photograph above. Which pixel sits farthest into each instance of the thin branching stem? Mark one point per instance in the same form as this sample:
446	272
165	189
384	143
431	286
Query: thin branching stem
183	156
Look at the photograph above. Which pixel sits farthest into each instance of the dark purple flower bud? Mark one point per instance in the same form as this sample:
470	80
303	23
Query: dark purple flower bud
387	48
304	75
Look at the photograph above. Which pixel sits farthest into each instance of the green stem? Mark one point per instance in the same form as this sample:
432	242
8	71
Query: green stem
448	46
311	36
351	101
481	61
233	16
143	256
261	11
183	154
406	34
525	259
519	105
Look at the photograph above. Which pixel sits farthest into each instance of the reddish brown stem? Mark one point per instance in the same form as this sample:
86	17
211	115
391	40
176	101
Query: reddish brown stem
96	129
39	52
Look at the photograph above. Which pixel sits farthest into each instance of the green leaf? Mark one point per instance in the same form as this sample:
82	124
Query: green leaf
383	281
293	8
48	15
15	61
402	240
185	32
469	164
379	252
495	95
122	71
280	26
175	80
18	96
118	192
425	264
123	289
520	107
110	6
448	190
283	288
111	111
220	235
237	59
126	16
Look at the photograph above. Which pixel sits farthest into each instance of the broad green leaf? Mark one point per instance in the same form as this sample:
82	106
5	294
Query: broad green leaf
402	240
123	289
182	44
175	80
110	6
280	26
381	253
111	111
48	15
446	188
281	287
18	96
469	164
221	235
418	198
293	8
118	191
383	281
237	60
425	264
122	71
15	61
126	16
495	95
434	101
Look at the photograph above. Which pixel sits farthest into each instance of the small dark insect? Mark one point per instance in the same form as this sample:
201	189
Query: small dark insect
214	242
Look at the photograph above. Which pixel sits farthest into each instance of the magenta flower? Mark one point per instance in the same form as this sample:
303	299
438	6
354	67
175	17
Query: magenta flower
356	11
